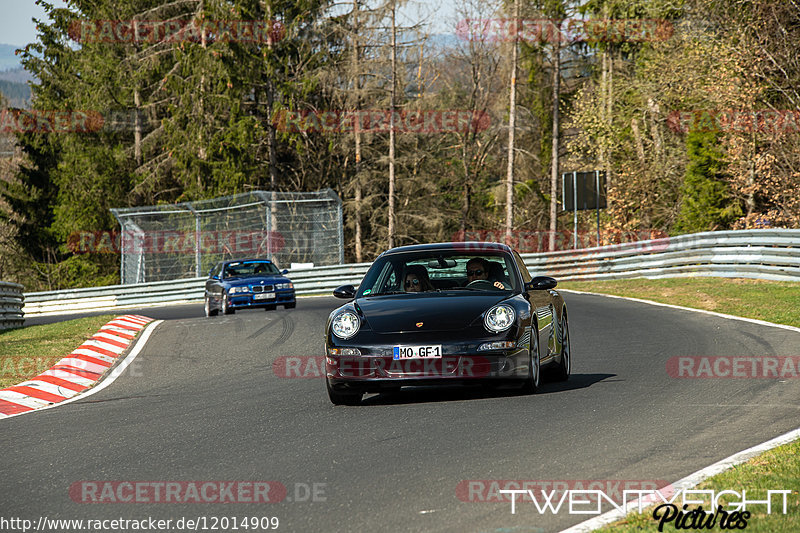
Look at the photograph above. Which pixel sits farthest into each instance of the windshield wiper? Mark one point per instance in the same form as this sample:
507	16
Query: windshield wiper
385	293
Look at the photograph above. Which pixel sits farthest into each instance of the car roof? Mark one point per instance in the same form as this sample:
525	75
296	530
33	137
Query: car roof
261	260
468	246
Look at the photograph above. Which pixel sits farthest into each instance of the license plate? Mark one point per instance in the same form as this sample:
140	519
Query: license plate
418	352
264	296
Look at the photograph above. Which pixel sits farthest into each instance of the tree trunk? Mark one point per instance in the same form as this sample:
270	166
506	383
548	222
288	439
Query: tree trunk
554	169
357	134
512	119
391	130
137	128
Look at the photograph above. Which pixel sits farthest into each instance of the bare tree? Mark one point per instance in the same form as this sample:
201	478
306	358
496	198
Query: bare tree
512	119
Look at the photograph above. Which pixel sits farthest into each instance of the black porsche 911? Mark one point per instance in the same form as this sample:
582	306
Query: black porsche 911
459	312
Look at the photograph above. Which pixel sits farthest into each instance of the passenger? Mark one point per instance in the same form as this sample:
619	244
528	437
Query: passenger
417	279
478	270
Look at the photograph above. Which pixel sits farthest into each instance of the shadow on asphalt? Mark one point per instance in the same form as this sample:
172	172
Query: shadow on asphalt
454	393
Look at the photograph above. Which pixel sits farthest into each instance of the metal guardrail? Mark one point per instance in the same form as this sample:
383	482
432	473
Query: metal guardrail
307	281
11	298
764	254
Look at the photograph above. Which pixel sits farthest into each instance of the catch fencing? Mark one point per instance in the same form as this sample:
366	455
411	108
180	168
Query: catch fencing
11	301
761	254
179	241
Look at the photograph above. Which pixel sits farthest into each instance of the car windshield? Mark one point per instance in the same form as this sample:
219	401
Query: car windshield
434	272
243	269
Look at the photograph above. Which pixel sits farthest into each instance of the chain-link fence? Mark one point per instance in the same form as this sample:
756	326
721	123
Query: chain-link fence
175	241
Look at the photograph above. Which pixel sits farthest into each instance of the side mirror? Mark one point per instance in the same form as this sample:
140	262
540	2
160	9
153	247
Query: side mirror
214	277
345	291
284	271
541	283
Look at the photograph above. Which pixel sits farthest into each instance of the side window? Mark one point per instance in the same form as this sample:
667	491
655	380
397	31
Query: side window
387	280
526	276
391	283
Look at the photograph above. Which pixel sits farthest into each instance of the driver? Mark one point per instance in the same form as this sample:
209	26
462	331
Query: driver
478	269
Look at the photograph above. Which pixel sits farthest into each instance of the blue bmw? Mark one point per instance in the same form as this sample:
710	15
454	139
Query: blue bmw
247	284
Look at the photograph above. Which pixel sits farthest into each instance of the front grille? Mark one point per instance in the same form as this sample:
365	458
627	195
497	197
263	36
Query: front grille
262	288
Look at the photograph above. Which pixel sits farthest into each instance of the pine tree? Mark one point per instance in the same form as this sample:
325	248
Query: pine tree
707	203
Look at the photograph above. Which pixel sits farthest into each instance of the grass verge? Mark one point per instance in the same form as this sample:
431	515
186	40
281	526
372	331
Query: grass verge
777	469
27	352
773	301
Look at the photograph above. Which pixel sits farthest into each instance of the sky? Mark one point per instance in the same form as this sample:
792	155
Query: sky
17	28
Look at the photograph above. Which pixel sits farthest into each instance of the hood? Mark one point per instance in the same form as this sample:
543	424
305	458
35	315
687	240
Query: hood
439	312
256	280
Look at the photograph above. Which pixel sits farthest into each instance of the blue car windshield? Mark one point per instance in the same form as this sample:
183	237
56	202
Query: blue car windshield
243	269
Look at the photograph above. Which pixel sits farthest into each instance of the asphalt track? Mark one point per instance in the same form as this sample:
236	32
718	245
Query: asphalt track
201	402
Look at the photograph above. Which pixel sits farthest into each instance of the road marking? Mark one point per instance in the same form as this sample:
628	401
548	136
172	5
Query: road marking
689	481
712	313
694	479
40	405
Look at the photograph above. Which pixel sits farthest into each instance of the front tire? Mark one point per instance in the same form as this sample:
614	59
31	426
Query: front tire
565	364
290	305
225	307
343	398
209	312
531	385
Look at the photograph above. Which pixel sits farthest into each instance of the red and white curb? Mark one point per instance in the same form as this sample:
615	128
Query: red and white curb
76	372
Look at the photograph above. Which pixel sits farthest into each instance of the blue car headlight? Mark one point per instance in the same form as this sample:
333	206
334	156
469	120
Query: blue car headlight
499	318
238	290
289	285
345	325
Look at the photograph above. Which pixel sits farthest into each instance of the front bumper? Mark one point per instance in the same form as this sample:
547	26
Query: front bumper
247	300
374	373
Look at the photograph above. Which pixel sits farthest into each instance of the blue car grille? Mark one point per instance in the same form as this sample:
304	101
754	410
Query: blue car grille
261	288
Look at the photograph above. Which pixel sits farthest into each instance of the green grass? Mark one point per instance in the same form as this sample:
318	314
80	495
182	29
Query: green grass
777	469
27	352
773	301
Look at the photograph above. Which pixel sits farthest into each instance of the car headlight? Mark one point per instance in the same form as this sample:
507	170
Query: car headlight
345	325
499	318
284	285
237	290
